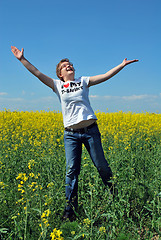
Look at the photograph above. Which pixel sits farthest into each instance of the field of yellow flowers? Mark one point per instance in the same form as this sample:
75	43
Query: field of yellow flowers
32	174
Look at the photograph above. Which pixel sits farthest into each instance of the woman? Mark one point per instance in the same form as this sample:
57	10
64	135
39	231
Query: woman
79	122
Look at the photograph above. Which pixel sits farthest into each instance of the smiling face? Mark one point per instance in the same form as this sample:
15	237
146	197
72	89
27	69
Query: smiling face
65	70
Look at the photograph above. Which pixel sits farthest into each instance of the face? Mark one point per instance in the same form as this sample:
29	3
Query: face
66	69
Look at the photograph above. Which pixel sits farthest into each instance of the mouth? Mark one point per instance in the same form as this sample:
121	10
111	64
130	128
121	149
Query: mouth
69	69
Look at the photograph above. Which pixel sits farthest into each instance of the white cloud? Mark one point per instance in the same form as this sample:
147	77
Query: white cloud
48	98
94	96
134	103
112	97
24	93
139	97
3	93
127	98
29	104
11	99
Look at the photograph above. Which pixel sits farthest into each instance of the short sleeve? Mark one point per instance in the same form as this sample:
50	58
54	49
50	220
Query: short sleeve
56	85
85	81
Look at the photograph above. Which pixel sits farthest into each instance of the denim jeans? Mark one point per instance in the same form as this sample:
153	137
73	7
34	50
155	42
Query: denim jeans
73	148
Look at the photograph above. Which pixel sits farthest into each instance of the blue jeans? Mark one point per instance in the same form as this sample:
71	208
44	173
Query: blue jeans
73	149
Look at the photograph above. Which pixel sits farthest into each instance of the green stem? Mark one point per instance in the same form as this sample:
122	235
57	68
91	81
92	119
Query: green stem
158	215
26	221
91	215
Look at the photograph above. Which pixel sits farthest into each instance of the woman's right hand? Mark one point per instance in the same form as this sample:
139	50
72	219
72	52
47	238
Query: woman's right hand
18	54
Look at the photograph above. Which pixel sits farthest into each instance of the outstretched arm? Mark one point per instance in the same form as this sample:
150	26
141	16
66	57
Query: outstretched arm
104	77
42	77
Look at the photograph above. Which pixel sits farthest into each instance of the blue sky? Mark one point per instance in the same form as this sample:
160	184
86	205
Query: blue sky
96	36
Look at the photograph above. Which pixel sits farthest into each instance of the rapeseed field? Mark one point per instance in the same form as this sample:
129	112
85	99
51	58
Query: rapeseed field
32	174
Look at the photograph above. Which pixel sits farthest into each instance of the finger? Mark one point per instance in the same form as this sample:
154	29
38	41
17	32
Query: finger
132	61
135	60
12	48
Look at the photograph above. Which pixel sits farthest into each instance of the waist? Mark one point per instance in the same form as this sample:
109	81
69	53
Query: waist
81	130
82	124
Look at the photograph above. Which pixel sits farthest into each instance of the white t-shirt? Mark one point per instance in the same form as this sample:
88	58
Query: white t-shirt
73	96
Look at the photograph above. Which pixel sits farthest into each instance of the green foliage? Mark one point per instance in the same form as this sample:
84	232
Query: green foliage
32	171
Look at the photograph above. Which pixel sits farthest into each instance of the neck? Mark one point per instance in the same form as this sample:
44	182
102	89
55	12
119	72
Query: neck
69	78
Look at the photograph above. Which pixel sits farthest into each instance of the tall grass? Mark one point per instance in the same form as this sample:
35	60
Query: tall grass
32	171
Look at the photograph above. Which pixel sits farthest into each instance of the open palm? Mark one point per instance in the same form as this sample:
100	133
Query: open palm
126	62
18	54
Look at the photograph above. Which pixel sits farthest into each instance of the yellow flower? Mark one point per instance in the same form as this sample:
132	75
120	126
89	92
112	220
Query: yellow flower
87	221
110	148
19	176
50	184
25	178
31	174
102	229
47	212
55	235
2	184
43	215
31	163
90	185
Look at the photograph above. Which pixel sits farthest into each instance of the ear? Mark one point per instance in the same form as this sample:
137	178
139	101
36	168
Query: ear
60	75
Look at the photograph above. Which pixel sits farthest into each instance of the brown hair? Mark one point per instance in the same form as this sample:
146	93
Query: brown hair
58	69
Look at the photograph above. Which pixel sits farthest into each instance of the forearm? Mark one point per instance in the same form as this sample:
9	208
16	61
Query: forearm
112	72
104	77
42	77
30	67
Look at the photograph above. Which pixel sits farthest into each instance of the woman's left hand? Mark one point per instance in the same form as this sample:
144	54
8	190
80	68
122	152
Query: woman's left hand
126	62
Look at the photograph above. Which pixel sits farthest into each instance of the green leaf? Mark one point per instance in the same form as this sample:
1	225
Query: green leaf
3	230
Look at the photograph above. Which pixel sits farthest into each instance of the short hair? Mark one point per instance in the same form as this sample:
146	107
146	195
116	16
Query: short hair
58	69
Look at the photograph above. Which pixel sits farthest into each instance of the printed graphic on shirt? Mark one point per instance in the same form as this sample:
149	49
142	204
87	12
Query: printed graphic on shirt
71	87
